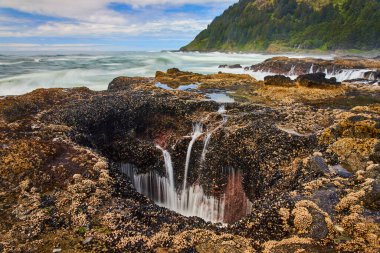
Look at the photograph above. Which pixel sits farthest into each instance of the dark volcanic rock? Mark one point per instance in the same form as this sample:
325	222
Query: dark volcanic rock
317	80
278	80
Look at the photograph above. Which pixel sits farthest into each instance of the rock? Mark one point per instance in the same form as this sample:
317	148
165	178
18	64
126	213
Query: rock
175	78
79	188
235	66
88	240
340	171
375	156
294	244
296	66
310	221
361	81
278	80
372	75
372	198
127	83
57	250
317	80
326	199
318	165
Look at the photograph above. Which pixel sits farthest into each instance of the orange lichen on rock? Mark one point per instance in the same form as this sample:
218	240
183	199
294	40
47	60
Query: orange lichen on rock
207	241
293	94
24	155
174	78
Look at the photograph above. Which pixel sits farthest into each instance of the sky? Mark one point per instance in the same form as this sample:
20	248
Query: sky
104	25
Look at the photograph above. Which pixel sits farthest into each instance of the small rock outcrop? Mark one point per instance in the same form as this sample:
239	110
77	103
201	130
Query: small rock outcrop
128	83
317	80
278	80
234	66
302	66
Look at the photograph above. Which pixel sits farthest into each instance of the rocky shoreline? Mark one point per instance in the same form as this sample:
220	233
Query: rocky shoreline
309	169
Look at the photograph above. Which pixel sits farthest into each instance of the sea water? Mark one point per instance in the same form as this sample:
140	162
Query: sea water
24	72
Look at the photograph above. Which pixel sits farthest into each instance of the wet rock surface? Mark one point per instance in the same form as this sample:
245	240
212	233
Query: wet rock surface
279	80
175	77
61	186
316	80
301	66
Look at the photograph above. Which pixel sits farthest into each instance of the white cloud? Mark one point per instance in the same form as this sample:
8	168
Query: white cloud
82	9
92	18
89	20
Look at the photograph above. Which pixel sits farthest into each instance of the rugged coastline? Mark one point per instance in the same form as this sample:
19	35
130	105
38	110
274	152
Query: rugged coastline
309	170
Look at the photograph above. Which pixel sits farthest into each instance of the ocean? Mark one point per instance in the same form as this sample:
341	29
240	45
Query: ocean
23	72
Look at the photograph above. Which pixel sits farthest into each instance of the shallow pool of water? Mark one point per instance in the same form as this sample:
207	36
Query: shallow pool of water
191	86
220	97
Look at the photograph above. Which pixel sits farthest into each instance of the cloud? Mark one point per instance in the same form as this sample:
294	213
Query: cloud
96	18
82	9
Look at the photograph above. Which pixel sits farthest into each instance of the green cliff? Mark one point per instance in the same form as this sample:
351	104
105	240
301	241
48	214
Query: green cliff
275	25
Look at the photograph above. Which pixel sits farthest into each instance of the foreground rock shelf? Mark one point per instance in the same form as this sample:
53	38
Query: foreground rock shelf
310	172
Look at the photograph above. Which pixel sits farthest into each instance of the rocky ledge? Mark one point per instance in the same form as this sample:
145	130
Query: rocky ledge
301	66
310	172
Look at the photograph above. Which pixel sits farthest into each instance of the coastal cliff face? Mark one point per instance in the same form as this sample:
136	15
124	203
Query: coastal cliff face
284	25
292	174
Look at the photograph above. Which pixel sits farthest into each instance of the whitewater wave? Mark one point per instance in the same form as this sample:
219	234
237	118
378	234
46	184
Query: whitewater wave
97	70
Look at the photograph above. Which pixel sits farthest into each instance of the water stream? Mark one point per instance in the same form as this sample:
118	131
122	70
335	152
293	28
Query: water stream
191	200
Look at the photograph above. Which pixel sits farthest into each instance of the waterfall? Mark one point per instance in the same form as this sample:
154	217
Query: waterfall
292	71
348	74
222	110
197	131
204	150
311	69
192	200
171	192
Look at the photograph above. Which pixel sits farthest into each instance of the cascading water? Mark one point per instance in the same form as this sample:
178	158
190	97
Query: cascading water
292	71
311	71
204	150
192	200
221	111
347	74
197	131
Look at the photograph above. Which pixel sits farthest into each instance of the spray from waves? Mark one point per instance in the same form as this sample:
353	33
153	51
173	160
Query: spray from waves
96	71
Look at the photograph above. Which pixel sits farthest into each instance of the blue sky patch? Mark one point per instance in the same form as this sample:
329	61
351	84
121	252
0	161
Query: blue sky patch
126	25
